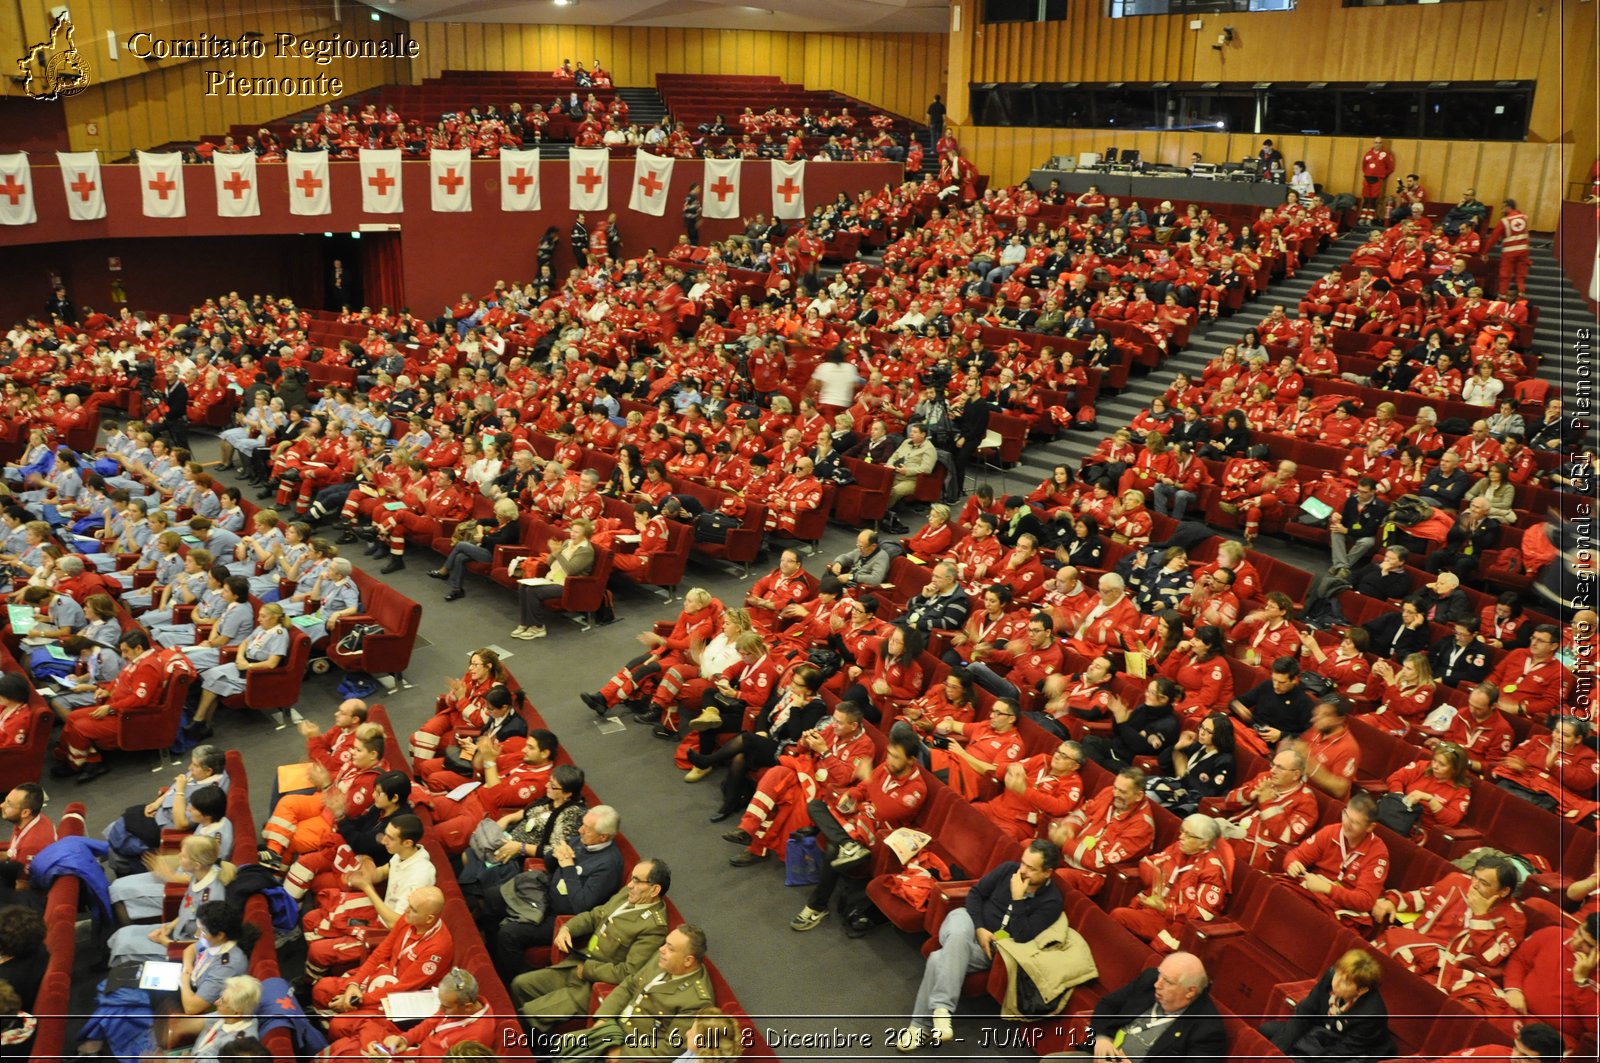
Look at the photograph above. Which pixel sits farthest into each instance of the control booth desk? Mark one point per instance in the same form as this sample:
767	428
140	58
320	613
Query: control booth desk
1148	191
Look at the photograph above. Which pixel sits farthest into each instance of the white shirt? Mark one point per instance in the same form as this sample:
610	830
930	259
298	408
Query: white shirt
406	875
837	382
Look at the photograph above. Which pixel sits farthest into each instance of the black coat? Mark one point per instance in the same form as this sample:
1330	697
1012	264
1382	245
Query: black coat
1196	1034
1360	1035
1389	641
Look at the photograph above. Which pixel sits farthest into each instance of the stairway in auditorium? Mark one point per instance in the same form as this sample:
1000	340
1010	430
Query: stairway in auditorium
1205	343
1561	310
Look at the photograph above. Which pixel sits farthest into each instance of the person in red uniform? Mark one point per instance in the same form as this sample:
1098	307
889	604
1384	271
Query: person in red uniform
1103	624
1268	633
414	957
1555	770
1271	497
1116	826
1376	166
1551	975
989	746
300	823
1461	920
462	1016
1186	882
1045	787
31	829
652	531
788	584
853	821
824	762
1481	730
1511	232
798	494
89	730
449	501
16	717
460	707
1271	811
1344	865
1531	681
635	682
1329	748
1534	1041
1440	786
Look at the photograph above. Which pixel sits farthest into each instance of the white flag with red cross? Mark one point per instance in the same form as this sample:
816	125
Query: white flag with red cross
721	191
450	180
587	169
80	174
652	181
380	181
236	184
788	189
16	190
161	184
308	182
519	180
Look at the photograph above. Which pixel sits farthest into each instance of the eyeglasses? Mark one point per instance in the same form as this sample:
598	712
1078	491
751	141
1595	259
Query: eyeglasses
1000	712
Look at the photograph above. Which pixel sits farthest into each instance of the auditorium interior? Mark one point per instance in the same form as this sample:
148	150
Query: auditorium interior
1047	382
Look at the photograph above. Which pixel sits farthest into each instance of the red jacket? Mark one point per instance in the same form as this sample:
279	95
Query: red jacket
1538	688
1046	797
882	803
1358	874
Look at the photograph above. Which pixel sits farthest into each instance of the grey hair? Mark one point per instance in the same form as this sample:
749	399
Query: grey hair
607	820
1203	827
243	993
340	566
462	983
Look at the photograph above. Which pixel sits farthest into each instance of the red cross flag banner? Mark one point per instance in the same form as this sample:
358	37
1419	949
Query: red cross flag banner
161	184
16	191
236	185
588	168
519	180
720	197
308	182
789	189
652	180
450	180
380	181
80	173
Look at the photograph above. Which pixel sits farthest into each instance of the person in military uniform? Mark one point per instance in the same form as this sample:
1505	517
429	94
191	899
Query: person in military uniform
604	944
649	1014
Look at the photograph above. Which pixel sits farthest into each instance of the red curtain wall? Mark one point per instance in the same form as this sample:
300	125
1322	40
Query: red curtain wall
440	255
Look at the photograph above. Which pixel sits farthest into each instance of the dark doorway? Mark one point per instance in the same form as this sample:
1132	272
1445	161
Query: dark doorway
341	269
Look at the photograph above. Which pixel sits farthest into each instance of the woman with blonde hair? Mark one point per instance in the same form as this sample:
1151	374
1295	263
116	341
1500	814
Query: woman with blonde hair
1407	694
1343	1017
712	1035
200	858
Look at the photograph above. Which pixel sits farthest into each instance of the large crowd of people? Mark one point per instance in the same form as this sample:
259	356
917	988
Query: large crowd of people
587	113
1075	663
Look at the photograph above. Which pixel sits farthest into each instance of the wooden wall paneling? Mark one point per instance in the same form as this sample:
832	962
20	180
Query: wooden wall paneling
1430	161
1498	43
587	45
455	47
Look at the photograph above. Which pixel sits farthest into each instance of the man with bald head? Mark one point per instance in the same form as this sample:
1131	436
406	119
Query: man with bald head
1164	1013
412	957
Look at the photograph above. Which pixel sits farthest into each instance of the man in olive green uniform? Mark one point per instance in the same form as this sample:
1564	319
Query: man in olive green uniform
649	1014
615	939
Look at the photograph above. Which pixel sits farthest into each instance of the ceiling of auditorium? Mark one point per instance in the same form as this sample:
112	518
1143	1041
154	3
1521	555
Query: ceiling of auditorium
795	16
